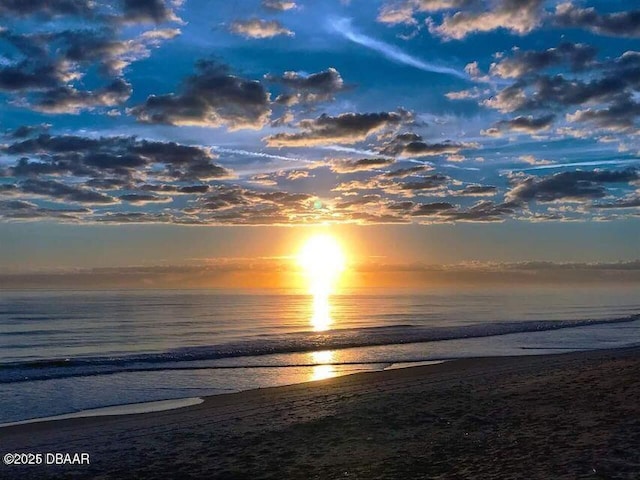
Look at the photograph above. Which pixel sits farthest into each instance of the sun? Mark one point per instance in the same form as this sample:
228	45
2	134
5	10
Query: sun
323	260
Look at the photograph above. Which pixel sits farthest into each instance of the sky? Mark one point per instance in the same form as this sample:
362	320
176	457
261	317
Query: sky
169	134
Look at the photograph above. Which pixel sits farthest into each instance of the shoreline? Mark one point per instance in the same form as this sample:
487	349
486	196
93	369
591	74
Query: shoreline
574	402
183	402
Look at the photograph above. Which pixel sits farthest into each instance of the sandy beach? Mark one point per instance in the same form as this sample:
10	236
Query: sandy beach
539	417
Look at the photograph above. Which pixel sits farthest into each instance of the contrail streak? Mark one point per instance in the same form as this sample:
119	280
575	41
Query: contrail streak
258	154
593	163
343	27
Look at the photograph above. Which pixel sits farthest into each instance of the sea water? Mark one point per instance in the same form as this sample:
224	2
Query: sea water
67	351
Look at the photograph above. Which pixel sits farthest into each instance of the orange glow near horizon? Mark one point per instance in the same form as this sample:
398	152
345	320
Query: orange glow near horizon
323	261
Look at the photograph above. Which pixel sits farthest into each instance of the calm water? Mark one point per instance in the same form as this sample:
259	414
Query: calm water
67	351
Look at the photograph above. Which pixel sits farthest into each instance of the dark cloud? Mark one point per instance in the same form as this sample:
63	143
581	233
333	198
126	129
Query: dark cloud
25	131
404	206
429	209
412	145
103	48
347	128
619	116
194	189
213	98
135	217
316	87
426	182
407	172
62	191
25	76
259	29
69	100
142	198
99	157
521	124
357	202
20	210
237	205
49	74
349	166
152	11
613	81
477	190
618	24
483	211
579	56
575	186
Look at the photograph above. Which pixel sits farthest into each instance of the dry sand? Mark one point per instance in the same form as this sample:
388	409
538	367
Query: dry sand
569	416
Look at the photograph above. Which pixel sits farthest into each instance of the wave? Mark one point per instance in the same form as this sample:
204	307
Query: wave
277	344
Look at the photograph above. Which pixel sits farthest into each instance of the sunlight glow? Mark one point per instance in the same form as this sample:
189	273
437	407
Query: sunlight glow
323	261
325	369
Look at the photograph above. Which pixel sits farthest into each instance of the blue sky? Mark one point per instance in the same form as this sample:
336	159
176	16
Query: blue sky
422	123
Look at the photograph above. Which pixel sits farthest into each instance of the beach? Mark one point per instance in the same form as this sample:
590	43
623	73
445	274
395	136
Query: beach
560	416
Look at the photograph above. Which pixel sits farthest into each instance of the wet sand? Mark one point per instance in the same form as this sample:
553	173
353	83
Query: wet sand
569	416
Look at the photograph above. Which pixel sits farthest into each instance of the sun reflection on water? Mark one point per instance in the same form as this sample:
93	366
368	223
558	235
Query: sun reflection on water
325	369
321	316
323	261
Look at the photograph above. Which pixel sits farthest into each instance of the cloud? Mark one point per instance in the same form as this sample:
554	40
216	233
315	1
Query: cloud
302	88
65	99
620	116
576	186
428	209
483	211
578	55
618	24
143	199
147	11
404	12
518	16
397	13
258	28
358	202
532	160
19	210
346	128
471	93
48	74
412	145
61	191
521	124
212	98
25	131
343	27
615	83
477	191
278	5
407	171
47	8
424	182
631	201
350	166
123	157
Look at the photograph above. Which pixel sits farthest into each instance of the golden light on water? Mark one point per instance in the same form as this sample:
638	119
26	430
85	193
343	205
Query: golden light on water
320	372
321	312
323	260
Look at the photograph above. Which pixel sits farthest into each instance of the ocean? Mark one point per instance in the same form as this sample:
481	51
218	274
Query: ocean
68	351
